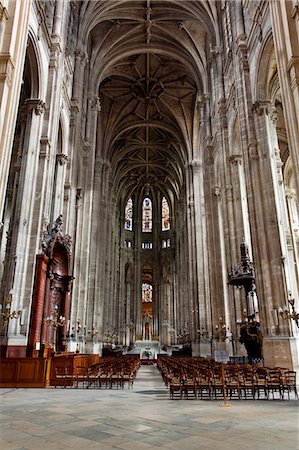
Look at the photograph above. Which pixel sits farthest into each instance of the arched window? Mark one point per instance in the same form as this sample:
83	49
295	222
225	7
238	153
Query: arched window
165	215
129	215
147	293
147	214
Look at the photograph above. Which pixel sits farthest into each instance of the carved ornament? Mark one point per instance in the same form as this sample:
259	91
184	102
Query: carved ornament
217	191
62	158
54	232
3	12
95	104
35	104
253	150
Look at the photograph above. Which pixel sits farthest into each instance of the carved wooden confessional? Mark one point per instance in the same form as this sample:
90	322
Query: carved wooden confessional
51	294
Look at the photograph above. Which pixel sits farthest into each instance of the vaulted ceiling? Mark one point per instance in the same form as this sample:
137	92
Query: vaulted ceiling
148	65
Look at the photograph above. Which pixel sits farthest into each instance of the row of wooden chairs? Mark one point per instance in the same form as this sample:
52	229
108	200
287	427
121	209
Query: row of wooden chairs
208	379
111	372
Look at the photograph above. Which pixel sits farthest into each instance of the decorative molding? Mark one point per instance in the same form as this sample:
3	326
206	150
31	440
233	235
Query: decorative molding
242	51
62	158
215	51
54	232
293	69
222	112
253	150
74	109
95	104
295	11
45	146
235	159
195	165
35	104
82	55
79	196
6	67
273	114
229	193
55	51
261	107
3	13
148	25
217	191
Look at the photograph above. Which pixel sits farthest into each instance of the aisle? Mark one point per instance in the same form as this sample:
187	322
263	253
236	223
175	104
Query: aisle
149	382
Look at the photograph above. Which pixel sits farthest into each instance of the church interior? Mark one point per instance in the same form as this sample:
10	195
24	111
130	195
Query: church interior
149	191
149	224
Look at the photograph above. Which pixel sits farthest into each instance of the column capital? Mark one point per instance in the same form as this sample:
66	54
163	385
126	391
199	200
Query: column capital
62	158
194	165
261	107
217	192
82	55
235	159
6	67
35	104
95	104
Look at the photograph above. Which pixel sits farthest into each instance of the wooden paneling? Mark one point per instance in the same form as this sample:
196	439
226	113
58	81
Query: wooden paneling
25	372
71	361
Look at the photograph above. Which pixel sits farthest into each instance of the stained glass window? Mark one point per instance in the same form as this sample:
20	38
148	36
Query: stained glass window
129	215
165	215
147	293
147	215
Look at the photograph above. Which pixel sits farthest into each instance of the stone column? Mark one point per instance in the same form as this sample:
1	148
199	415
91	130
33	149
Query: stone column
14	17
285	23
263	218
23	220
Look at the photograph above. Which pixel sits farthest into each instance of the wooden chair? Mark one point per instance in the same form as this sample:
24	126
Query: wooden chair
246	382
189	388
81	376
93	376
203	386
175	388
63	378
233	384
217	384
261	382
274	382
289	383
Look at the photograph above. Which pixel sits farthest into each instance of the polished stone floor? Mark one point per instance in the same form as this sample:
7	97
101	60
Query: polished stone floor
142	418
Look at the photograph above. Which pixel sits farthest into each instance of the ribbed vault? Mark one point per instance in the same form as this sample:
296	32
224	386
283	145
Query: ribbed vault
148	66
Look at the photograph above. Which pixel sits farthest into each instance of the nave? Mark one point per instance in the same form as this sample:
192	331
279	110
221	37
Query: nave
141	418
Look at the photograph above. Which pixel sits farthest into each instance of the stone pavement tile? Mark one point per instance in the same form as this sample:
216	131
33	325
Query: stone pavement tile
114	441
116	431
140	428
90	434
4	445
30	428
32	444
133	445
14	436
75	425
162	438
75	442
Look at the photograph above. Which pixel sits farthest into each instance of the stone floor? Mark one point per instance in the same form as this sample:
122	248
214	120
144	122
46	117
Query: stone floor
142	418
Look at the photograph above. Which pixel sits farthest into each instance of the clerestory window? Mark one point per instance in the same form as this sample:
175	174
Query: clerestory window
147	215
129	215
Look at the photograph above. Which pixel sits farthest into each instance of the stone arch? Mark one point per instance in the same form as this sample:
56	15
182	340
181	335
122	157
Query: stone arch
264	62
34	60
